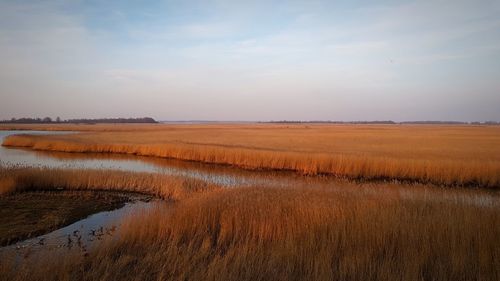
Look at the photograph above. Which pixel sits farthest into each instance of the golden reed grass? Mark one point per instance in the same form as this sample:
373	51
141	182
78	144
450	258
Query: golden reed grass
163	186
291	234
444	155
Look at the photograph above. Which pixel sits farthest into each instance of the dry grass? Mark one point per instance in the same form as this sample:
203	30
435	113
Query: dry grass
293	234
366	232
162	186
447	155
7	185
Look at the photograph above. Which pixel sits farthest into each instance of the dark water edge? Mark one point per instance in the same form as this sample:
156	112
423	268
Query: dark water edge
25	215
81	229
89	231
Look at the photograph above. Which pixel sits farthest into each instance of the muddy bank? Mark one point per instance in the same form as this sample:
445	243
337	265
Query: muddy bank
29	214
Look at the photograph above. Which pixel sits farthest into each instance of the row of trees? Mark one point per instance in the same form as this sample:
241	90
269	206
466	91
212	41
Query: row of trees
48	120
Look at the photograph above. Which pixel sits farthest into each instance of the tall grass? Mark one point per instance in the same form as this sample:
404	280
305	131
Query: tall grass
162	186
464	156
292	234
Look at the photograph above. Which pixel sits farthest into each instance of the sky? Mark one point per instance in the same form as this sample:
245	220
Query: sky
251	60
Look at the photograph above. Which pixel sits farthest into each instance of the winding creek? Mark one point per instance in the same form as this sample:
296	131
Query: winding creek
221	175
89	231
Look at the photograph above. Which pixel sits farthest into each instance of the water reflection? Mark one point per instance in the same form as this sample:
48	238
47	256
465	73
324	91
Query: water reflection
218	174
82	235
10	156
105	224
233	177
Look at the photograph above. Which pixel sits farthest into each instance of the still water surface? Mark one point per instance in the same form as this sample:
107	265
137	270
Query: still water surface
222	175
219	174
89	231
108	222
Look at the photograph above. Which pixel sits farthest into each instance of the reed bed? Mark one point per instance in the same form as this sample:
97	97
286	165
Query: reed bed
443	155
163	186
291	234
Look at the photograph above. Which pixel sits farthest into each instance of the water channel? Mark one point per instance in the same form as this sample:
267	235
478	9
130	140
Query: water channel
87	231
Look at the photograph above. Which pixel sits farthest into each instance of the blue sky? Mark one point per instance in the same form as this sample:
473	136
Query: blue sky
251	60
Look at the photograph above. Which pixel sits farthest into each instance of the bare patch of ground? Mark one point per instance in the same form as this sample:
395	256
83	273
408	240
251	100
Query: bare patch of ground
29	214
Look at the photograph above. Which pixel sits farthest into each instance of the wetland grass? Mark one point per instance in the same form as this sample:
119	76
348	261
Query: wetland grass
36	179
292	234
442	155
349	231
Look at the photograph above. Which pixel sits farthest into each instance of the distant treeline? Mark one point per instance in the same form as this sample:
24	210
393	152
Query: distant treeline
385	122
48	120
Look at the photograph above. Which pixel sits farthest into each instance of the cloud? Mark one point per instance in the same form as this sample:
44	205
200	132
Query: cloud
37	38
207	30
324	59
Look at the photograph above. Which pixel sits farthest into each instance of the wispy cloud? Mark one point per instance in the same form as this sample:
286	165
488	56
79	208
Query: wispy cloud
324	59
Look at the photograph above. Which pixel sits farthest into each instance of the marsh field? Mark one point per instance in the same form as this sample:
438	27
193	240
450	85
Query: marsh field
253	201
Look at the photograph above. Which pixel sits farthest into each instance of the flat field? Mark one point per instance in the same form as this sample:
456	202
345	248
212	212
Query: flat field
424	221
352	232
443	155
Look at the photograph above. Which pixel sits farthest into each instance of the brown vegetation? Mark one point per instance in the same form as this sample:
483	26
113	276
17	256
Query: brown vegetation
162	186
351	232
445	155
292	234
